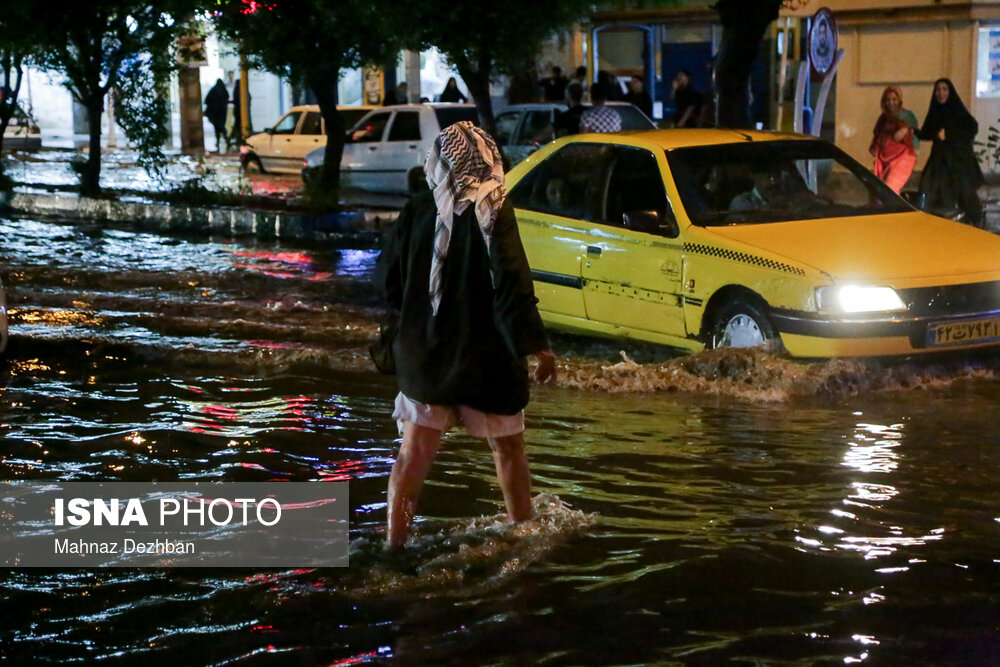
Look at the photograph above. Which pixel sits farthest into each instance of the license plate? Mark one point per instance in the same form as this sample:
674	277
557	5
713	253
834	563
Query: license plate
965	332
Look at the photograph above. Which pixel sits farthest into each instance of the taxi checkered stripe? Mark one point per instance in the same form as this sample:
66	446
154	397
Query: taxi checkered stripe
742	257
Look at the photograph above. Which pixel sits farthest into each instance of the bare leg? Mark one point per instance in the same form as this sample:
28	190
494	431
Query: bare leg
416	454
515	478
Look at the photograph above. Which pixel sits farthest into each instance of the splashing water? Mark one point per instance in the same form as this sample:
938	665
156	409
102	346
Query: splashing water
462	557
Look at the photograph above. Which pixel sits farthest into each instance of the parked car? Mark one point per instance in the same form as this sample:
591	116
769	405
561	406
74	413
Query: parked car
280	149
3	319
724	238
385	151
523	128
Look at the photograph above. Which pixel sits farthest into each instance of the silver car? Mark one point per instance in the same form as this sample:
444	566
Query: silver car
385	151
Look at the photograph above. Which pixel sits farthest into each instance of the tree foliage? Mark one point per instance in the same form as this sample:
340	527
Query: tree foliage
311	41
95	45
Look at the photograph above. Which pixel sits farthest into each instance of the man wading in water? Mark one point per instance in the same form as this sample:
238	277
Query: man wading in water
454	271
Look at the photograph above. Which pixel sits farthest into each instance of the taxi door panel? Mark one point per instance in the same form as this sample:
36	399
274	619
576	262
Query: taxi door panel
633	278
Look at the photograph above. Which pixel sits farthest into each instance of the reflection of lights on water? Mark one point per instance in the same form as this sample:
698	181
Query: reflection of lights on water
135	438
876	547
873	598
873	448
293	264
872	492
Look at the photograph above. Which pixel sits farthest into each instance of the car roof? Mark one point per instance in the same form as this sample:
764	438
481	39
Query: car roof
429	105
315	107
686	137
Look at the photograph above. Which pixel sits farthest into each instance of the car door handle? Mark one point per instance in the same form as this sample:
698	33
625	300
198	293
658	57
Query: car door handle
593	250
414	146
373	148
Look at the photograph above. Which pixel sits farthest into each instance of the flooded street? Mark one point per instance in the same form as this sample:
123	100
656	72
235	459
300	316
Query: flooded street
721	507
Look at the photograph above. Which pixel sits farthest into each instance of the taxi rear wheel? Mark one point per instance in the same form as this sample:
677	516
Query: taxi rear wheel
741	323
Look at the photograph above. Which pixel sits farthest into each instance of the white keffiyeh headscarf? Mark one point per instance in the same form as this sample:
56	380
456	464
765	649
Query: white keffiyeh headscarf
463	167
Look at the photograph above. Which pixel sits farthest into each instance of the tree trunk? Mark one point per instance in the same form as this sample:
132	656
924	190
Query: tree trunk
9	102
90	178
326	98
743	27
478	81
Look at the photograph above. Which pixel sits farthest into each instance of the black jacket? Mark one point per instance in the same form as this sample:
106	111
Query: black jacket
472	352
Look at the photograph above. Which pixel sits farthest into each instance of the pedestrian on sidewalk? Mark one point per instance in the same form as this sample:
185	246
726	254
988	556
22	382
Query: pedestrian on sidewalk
893	144
454	272
451	93
216	105
952	174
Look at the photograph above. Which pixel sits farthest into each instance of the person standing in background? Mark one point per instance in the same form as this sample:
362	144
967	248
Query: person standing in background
600	117
952	174
451	93
638	96
893	144
568	122
216	105
687	101
554	86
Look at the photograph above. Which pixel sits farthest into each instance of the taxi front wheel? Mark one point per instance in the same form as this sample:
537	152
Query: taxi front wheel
741	323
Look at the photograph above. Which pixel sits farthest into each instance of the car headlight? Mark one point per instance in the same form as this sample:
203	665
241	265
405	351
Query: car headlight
858	299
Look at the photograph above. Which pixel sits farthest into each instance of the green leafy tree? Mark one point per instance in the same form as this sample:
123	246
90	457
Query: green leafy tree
312	41
101	45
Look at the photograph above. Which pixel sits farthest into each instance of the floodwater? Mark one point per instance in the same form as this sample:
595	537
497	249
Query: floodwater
723	507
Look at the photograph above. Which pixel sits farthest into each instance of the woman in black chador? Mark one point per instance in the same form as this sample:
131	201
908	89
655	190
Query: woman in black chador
952	174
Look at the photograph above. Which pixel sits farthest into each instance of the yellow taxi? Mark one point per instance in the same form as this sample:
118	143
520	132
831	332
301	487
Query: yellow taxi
724	238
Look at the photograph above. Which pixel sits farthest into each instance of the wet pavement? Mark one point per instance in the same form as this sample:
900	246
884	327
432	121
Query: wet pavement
725	507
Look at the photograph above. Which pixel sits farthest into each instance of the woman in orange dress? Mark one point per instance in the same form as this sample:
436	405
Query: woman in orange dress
893	143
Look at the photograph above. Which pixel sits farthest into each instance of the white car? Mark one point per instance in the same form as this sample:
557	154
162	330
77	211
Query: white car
524	128
280	149
3	320
385	151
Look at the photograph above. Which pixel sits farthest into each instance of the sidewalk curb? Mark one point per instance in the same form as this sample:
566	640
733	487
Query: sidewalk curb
361	227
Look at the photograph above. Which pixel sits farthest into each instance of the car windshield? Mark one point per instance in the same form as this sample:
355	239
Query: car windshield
774	181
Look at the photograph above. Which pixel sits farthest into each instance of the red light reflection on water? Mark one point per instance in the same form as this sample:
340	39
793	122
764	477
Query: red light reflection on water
292	413
292	264
342	471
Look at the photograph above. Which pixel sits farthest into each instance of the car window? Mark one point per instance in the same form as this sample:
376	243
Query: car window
312	123
450	115
536	128
506	124
405	127
566	183
633	118
352	116
634	184
371	129
287	124
773	181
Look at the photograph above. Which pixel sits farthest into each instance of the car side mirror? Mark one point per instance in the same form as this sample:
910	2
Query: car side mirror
270	130
914	199
652	222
